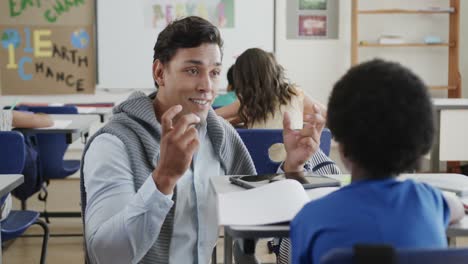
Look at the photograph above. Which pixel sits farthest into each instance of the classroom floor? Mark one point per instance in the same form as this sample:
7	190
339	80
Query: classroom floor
69	249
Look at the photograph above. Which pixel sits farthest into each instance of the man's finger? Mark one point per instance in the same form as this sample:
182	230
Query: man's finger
308	143
188	136
286	121
166	118
184	123
316	109
315	118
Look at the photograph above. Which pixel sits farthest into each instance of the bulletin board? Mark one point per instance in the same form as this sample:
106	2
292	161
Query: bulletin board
47	47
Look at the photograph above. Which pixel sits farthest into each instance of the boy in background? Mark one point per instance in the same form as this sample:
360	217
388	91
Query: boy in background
229	97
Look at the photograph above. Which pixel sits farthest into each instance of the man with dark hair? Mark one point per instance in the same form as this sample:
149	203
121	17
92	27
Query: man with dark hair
380	113
149	199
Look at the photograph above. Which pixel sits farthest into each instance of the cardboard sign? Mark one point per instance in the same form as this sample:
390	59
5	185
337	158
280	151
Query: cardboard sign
47	47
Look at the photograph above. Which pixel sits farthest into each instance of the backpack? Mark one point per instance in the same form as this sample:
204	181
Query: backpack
33	179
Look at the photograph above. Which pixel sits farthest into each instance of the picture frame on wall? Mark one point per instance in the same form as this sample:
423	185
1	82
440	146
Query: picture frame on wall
312	25
312	4
312	19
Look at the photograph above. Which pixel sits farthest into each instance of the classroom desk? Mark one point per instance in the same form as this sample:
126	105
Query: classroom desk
443	104
79	127
222	185
8	182
103	112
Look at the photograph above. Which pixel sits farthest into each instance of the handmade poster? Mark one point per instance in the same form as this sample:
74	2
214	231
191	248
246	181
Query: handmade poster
47	47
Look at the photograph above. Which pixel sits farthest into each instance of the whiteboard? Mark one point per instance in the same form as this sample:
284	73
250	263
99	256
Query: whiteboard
125	45
453	135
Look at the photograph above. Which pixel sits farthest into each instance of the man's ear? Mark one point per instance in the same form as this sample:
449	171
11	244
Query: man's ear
158	73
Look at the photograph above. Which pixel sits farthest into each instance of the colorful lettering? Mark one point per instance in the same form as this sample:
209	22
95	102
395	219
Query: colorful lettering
221	15
24	4
24	76
12	5
11	57
180	10
42	47
49	17
157	15
191	8
61	7
202	11
28	47
60	77
169	16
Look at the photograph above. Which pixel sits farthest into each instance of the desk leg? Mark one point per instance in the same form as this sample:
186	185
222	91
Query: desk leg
435	158
213	256
84	138
452	242
227	248
1	256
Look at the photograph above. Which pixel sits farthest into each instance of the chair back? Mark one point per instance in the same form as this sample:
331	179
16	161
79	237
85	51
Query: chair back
325	141
401	256
258	142
12	155
52	146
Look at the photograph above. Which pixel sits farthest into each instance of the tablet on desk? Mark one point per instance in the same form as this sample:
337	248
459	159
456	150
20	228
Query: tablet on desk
308	180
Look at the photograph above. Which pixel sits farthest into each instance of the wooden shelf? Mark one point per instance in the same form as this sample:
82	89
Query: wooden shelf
450	8
441	87
402	11
377	45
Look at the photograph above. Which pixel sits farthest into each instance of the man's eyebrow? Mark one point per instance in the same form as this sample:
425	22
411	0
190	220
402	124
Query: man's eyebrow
198	62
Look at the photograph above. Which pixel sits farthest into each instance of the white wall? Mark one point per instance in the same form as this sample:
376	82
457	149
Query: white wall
315	65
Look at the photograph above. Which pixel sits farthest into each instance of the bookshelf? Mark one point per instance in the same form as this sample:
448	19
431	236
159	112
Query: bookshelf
453	86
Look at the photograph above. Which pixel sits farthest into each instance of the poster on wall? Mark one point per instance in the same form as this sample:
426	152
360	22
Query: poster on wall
312	4
312	19
159	13
47	47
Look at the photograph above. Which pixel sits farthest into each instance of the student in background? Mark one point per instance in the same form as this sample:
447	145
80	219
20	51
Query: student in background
380	113
265	94
11	118
230	97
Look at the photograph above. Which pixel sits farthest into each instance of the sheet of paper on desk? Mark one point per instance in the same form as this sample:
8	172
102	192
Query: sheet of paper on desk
452	182
86	110
59	124
272	203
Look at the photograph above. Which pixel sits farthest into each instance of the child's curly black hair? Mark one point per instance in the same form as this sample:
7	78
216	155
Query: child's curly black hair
381	114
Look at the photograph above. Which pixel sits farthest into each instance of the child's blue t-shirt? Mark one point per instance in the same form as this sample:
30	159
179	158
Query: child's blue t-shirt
404	214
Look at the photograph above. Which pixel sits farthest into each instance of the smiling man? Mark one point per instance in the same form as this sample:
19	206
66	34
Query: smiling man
146	196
